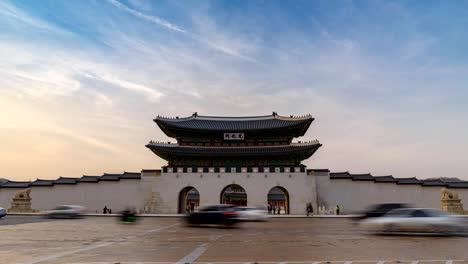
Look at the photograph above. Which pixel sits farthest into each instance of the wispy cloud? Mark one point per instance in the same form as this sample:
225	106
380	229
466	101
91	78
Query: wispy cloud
46	75
11	12
150	93
97	99
153	19
170	26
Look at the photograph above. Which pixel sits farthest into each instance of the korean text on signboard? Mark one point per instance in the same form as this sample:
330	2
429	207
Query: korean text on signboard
233	136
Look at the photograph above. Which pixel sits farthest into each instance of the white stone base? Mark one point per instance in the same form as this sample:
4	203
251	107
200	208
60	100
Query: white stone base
299	185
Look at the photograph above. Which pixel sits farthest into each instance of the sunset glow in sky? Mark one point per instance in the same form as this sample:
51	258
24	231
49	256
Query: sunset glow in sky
81	81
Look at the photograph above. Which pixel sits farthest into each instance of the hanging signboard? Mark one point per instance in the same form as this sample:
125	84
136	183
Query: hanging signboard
233	136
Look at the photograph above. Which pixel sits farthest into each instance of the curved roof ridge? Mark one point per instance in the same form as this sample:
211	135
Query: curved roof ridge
274	115
18	181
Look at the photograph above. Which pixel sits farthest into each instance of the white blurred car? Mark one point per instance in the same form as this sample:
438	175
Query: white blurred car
251	214
66	211
3	212
416	220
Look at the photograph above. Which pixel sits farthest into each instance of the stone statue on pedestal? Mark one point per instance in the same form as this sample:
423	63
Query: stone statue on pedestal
21	202
451	202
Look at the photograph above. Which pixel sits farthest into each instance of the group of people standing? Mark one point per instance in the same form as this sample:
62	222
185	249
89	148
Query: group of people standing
274	209
190	208
106	210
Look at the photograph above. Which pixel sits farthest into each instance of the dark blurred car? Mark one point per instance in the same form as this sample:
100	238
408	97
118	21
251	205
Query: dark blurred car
379	210
224	215
66	211
3	212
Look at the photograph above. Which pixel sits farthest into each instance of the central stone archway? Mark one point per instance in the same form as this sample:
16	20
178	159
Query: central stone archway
279	198
189	198
234	194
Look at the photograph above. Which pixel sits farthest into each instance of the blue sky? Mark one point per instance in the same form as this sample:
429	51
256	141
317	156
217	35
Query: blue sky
81	81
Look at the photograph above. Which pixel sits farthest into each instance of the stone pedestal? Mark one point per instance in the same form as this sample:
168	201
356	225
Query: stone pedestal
451	202
452	206
21	202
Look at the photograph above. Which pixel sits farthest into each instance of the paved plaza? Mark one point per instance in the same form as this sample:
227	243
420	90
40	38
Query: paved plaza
30	239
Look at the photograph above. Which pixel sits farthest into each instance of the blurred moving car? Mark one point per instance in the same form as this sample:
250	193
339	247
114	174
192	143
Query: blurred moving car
224	215
416	220
3	212
252	214
66	211
379	210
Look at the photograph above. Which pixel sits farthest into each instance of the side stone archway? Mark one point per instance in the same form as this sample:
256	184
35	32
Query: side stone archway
279	197
234	194
189	197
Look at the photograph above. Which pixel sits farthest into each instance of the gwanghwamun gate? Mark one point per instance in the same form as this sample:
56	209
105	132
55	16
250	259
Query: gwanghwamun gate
253	161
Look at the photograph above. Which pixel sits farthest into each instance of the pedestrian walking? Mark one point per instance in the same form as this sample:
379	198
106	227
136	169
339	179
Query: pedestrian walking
192	207
279	209
309	209
269	208
104	210
274	209
337	209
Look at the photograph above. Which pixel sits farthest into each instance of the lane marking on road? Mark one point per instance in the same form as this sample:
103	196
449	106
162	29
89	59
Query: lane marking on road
162	228
66	253
192	256
215	237
91	247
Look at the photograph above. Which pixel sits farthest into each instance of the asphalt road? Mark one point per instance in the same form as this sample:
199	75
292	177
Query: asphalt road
22	219
158	240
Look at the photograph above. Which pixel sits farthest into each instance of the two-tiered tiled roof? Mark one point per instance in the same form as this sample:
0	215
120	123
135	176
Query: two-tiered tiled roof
240	141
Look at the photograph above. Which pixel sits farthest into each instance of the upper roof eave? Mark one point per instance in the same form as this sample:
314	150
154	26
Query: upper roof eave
298	124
